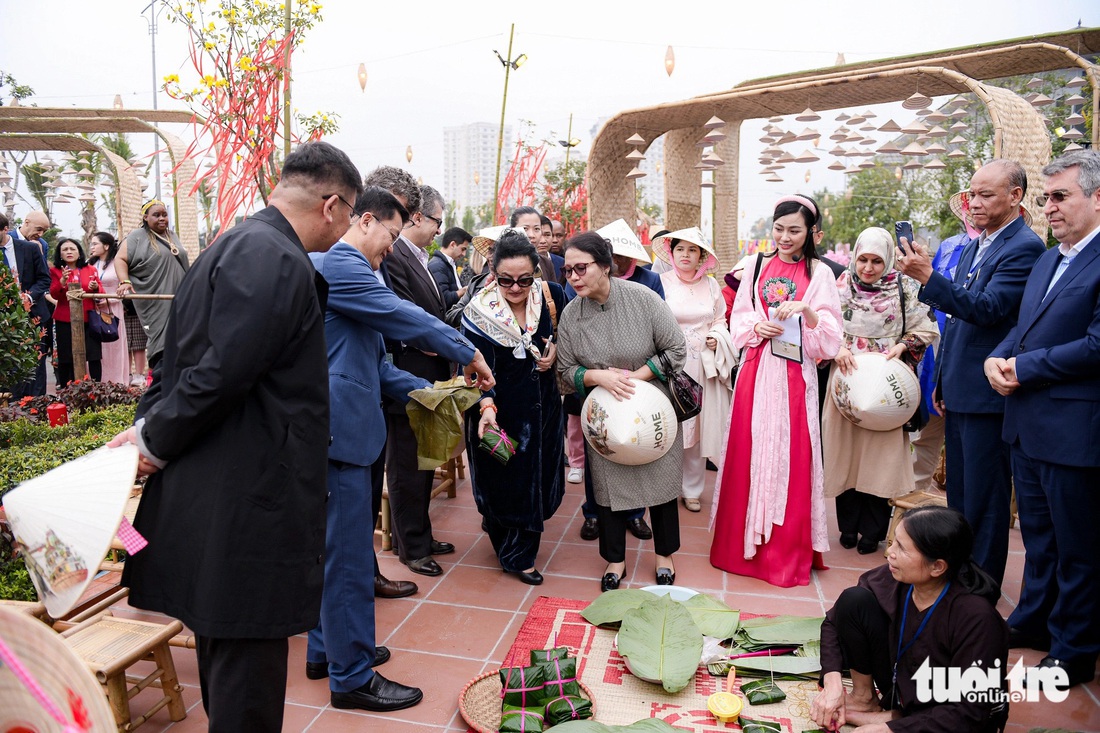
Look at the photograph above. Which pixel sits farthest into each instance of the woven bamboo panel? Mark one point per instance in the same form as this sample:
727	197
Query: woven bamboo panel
726	179
682	194
610	176
127	194
183	178
1021	135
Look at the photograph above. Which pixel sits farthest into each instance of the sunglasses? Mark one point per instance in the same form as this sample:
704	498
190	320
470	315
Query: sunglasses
1056	196
579	268
507	282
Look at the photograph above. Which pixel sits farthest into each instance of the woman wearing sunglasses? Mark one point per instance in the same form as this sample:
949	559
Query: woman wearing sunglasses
612	334
511	322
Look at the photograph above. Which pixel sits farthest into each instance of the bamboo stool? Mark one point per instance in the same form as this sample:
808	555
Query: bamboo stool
912	500
448	476
110	646
31	608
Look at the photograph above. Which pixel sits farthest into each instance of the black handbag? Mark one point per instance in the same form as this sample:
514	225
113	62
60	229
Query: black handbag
920	415
686	393
103	325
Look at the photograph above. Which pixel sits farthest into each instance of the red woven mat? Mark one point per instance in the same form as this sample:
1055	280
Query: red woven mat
622	698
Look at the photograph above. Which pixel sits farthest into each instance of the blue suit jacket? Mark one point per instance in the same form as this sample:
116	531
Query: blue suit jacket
359	313
983	309
1055	413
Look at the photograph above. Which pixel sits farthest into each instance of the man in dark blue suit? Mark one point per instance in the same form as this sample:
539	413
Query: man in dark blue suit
25	244
1048	368
359	312
982	303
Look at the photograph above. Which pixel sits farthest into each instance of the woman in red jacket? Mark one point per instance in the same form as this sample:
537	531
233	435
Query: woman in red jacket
69	266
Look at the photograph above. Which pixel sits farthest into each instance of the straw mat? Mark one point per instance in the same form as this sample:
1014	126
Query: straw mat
620	697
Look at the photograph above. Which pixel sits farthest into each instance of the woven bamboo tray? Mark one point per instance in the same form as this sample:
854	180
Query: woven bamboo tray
479	702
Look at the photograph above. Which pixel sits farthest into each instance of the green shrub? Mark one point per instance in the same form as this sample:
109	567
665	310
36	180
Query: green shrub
28	449
19	337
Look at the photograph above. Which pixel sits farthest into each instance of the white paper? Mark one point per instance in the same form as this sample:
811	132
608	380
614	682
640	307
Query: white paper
788	344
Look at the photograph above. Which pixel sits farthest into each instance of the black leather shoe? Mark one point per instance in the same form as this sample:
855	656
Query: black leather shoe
380	695
610	581
640	529
319	670
484	525
533	577
1020	639
1078	671
442	548
424	566
591	529
386	588
848	540
666	576
866	547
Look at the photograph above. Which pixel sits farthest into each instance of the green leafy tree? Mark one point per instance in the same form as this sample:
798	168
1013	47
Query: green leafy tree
469	222
19	336
565	196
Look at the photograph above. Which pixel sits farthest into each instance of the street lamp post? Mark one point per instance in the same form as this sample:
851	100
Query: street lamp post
508	64
154	12
569	142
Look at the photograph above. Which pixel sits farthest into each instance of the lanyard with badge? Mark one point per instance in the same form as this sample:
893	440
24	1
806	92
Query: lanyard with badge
901	634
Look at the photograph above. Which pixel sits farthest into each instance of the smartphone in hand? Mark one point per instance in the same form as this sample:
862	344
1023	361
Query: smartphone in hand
903	229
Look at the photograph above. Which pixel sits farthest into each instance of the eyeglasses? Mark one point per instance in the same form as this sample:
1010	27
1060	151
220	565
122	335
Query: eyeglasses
507	282
438	222
1056	196
580	268
351	208
388	230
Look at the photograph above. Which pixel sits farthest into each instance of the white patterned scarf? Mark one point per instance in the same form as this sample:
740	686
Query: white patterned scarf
489	315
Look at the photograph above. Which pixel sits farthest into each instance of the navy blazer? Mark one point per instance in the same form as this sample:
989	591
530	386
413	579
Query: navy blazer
1054	415
444	277
34	276
981	312
360	311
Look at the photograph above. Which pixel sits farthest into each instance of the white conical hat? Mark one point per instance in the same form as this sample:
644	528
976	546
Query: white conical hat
693	235
637	430
488	237
64	521
881	394
624	241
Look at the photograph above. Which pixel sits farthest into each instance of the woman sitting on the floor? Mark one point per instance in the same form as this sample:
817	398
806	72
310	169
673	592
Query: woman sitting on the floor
928	603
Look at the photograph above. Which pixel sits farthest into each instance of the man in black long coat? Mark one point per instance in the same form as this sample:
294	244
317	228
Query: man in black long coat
235	432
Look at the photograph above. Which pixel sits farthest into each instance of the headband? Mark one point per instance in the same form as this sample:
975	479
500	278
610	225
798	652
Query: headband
799	200
150	204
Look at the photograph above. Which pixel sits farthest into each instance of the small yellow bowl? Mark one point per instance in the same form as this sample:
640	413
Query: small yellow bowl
725	706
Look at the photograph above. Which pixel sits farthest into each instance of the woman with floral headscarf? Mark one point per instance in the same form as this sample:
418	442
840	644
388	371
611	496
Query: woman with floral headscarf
865	468
152	261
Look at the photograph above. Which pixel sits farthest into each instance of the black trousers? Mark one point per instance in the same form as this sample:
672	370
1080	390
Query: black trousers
866	514
864	632
665	519
410	491
243	683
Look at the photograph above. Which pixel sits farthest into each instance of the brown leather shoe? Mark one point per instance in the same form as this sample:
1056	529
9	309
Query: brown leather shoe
386	588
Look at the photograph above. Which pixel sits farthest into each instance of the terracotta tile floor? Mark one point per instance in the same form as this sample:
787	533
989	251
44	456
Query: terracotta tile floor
462	623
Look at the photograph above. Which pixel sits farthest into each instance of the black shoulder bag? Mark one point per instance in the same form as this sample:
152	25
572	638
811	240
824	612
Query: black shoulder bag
686	393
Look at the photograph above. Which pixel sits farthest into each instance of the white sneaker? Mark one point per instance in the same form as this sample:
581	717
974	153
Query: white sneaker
575	476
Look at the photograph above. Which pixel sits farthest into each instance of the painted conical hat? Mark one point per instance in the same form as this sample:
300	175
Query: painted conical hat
693	235
624	241
64	521
633	431
881	394
32	655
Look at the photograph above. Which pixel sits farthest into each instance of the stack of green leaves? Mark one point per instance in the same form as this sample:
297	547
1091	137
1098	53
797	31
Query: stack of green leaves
662	639
779	633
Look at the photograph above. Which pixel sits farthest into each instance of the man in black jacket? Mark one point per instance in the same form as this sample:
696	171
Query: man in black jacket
443	264
235	432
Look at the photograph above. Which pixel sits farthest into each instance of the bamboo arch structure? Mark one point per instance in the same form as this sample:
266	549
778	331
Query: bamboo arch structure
43	123
1019	130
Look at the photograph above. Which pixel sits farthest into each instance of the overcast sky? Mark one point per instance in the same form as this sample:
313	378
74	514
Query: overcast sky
431	64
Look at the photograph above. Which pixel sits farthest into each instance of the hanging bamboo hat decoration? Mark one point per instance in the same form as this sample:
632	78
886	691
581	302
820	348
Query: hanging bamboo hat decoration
913	149
916	101
362	77
808	115
670	61
714	123
890	126
635	139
